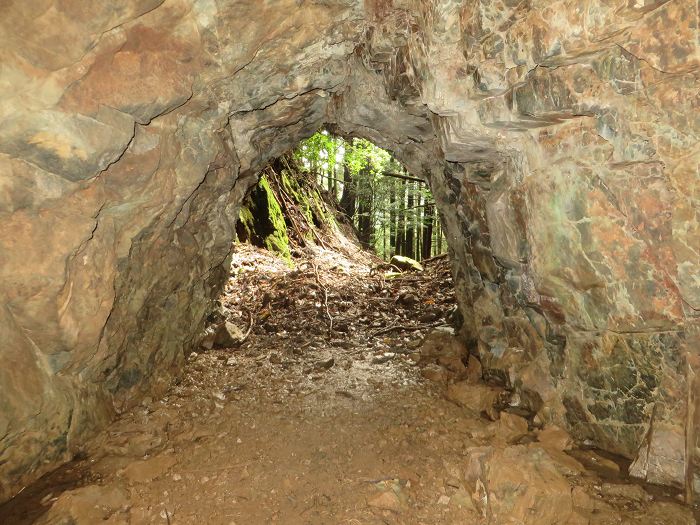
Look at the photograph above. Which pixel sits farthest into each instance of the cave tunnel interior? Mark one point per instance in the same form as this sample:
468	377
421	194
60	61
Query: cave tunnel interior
560	149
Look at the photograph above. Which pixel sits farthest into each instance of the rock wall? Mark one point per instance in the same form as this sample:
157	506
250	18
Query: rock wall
560	139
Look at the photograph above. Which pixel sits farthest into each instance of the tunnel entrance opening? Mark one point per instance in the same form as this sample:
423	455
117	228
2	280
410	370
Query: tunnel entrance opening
331	206
329	179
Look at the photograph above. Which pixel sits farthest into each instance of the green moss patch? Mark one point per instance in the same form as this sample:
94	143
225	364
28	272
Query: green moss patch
261	221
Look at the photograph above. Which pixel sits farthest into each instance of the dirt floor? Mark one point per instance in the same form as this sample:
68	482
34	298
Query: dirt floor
348	402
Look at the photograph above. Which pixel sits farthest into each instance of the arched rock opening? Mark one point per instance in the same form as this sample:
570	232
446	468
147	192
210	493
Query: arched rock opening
559	142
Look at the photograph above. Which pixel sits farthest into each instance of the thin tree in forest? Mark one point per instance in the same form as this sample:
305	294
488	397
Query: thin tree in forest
349	197
364	208
427	245
392	217
401	220
410	226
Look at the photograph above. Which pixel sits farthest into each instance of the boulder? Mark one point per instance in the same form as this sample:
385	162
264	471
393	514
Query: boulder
435	373
89	505
406	264
625	491
222	335
228	335
444	348
476	398
555	438
519	484
510	428
661	459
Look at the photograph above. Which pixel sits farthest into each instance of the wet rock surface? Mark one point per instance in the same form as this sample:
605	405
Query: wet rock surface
245	438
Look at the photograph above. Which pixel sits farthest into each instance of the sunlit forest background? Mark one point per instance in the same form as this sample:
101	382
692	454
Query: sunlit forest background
393	212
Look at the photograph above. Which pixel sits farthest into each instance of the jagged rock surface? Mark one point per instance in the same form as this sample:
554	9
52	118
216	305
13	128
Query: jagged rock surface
560	141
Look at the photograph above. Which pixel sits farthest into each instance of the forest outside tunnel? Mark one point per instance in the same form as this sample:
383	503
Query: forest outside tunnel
390	211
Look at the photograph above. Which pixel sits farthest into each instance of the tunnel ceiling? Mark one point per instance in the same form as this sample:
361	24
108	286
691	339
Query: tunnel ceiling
560	139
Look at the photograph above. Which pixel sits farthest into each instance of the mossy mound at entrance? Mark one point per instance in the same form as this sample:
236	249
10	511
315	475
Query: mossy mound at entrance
286	209
261	221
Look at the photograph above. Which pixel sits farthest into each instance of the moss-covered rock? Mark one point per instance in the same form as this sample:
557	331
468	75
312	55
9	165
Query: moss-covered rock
286	205
261	221
309	201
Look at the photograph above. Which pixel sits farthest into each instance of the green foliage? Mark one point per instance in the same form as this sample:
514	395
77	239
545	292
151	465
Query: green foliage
391	214
318	153
363	157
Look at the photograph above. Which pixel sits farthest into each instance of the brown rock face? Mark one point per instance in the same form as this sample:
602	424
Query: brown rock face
560	140
520	484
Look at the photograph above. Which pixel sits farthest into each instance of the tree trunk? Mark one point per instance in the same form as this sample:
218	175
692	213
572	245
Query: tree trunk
410	226
364	209
364	224
401	219
426	249
349	198
314	171
392	219
384	236
334	181
418	217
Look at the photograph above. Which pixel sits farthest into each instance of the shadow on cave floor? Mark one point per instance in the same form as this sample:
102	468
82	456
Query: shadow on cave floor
336	409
